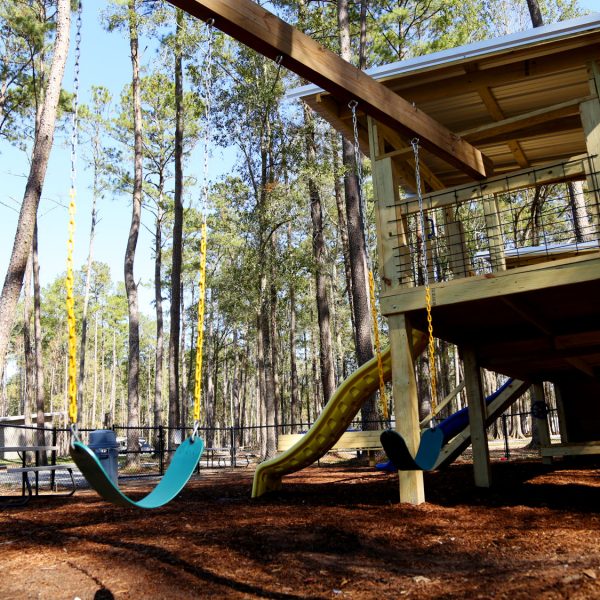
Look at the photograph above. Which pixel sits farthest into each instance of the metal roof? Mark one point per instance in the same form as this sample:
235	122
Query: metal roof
486	48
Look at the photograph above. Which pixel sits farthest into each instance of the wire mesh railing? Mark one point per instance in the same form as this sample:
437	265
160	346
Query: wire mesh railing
514	221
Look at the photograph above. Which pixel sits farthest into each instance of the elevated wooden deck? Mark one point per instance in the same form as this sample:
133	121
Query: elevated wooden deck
512	259
535	323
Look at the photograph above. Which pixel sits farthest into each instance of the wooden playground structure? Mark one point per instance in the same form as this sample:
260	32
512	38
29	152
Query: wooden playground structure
495	121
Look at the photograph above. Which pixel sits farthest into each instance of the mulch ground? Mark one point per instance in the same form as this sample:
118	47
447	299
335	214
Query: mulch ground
332	532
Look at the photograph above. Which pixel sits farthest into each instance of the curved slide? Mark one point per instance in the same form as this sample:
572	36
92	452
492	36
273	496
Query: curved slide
332	422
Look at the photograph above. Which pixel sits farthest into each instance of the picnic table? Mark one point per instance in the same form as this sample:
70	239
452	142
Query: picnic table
36	468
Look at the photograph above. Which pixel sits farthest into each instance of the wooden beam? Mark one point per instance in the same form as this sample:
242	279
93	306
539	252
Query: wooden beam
590	119
477	419
494	285
575	449
262	31
406	404
570	123
455	392
493	225
408	166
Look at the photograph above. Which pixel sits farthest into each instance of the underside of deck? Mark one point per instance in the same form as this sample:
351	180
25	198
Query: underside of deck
535	323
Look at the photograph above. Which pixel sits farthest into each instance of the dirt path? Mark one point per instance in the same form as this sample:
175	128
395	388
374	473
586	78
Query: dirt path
330	533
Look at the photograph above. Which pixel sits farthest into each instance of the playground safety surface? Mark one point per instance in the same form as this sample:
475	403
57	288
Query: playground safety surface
332	532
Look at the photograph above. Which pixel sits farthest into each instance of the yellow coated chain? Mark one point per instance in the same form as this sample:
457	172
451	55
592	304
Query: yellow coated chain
432	374
382	394
72	365
201	302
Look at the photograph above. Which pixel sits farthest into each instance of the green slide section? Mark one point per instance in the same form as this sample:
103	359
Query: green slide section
180	470
332	422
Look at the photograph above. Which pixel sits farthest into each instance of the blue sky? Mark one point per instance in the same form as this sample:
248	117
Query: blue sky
105	61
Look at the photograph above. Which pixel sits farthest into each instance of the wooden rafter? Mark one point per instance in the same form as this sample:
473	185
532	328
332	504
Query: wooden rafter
262	31
496	112
524	121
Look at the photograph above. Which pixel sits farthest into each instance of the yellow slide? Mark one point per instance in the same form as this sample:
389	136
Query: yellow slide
332	422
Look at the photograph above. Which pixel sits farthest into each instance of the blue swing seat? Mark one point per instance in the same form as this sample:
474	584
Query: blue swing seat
177	475
432	440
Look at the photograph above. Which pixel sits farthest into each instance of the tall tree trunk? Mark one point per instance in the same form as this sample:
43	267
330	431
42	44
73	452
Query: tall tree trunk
113	385
133	400
342	225
319	257
337	326
94	421
581	221
86	296
261	383
267	350
295	408
356	228
177	235
35	182
209	396
29	381
40	396
235	385
535	13
102	374
158	370
277	396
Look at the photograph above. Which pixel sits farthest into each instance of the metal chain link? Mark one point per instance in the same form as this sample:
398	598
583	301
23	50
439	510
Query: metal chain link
206	81
415	145
359	175
207	91
69	283
75	116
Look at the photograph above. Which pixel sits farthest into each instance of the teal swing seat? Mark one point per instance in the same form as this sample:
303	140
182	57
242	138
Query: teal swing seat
177	475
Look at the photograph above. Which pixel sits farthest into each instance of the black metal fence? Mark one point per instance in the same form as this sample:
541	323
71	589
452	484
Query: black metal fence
232	447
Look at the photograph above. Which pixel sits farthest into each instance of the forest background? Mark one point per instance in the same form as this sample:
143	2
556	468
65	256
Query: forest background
287	316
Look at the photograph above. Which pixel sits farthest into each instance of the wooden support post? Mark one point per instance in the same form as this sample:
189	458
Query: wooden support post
406	404
494	233
394	253
538	395
562	416
477	417
590	119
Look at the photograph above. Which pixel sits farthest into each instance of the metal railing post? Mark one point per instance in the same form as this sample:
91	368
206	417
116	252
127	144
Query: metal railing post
232	447
505	434
161	450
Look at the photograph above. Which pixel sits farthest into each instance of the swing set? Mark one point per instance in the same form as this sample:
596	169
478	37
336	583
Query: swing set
260	30
188	453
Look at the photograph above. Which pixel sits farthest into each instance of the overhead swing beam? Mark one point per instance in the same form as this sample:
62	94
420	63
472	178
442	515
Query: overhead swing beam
262	31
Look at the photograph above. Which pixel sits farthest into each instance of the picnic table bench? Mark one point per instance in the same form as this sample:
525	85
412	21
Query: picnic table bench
36	469
223	456
349	441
